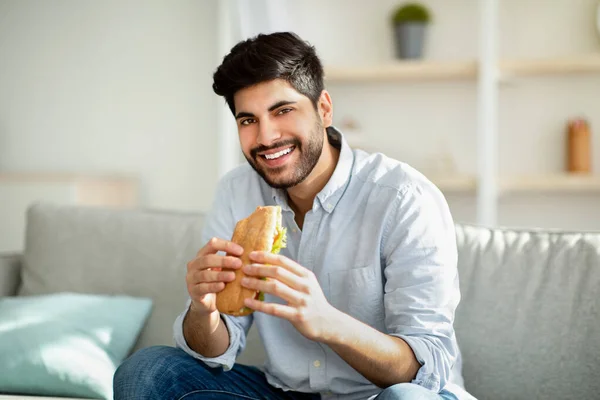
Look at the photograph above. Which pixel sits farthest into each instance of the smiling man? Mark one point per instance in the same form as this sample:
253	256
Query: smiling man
361	302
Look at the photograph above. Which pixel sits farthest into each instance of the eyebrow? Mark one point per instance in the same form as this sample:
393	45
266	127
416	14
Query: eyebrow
243	114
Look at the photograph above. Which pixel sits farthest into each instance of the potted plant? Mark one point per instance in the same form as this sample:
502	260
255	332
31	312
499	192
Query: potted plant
410	22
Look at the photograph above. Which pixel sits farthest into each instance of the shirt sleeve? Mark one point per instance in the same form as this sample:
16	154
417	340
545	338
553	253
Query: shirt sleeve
421	289
236	326
219	222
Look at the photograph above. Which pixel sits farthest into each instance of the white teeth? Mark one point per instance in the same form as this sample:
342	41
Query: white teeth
278	154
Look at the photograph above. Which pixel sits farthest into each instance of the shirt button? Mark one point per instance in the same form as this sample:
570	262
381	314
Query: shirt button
329	206
317	363
294	230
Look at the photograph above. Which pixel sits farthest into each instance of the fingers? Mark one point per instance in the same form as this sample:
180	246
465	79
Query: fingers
215	244
263	257
275	288
207	257
209	272
214	261
202	289
277	310
202	282
208	276
277	273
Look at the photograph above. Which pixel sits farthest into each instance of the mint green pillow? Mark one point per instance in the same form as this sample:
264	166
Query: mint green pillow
67	344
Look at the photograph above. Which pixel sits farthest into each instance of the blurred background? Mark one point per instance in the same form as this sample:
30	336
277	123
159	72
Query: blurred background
109	103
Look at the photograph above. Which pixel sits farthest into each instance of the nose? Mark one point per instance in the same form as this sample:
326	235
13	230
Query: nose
268	133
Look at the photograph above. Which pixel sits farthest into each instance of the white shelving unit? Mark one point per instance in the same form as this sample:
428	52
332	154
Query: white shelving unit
489	73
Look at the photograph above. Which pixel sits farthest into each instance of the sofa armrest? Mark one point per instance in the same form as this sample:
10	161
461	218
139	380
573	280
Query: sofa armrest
10	273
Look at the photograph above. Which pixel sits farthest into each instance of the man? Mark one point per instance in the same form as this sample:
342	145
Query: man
361	302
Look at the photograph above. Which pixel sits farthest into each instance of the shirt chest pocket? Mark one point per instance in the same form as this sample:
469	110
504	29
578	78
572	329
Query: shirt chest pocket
358	293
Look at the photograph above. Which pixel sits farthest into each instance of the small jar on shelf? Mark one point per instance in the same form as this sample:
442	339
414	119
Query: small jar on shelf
579	157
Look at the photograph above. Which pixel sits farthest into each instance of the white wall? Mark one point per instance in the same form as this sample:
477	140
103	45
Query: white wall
418	122
112	86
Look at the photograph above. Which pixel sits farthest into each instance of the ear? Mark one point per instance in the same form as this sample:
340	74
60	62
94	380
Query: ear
325	109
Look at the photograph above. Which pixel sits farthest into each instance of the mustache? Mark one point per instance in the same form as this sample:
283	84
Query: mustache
284	143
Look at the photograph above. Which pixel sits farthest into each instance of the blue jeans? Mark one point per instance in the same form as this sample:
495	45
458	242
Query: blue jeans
168	373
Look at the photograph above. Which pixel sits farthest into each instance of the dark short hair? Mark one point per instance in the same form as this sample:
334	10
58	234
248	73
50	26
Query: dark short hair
265	57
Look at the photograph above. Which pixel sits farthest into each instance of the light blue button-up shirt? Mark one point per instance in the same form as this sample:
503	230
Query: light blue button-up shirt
381	242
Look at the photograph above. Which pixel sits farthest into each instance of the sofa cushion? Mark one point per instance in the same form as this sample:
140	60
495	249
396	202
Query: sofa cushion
10	268
528	323
67	344
103	251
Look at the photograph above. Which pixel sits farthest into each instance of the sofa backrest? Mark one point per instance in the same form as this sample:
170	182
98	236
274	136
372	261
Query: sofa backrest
104	251
528	323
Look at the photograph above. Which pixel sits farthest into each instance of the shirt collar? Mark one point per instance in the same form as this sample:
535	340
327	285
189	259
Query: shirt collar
331	194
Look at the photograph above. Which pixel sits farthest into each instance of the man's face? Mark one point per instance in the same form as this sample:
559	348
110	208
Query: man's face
281	133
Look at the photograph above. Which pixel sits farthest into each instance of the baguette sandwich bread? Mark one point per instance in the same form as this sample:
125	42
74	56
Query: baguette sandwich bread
260	231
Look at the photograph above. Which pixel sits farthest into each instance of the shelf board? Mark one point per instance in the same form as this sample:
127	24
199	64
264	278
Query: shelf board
403	70
554	183
551	66
459	183
89	189
59	177
420	70
559	183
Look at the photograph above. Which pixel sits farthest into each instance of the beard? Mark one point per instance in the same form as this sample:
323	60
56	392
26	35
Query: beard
309	154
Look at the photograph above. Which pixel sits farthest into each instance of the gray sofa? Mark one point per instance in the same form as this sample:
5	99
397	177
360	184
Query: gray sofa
528	322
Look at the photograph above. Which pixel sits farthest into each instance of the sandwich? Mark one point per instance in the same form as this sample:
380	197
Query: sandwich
260	231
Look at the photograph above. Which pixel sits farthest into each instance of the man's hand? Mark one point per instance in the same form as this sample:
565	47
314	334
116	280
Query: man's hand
383	359
307	308
203	329
205	276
